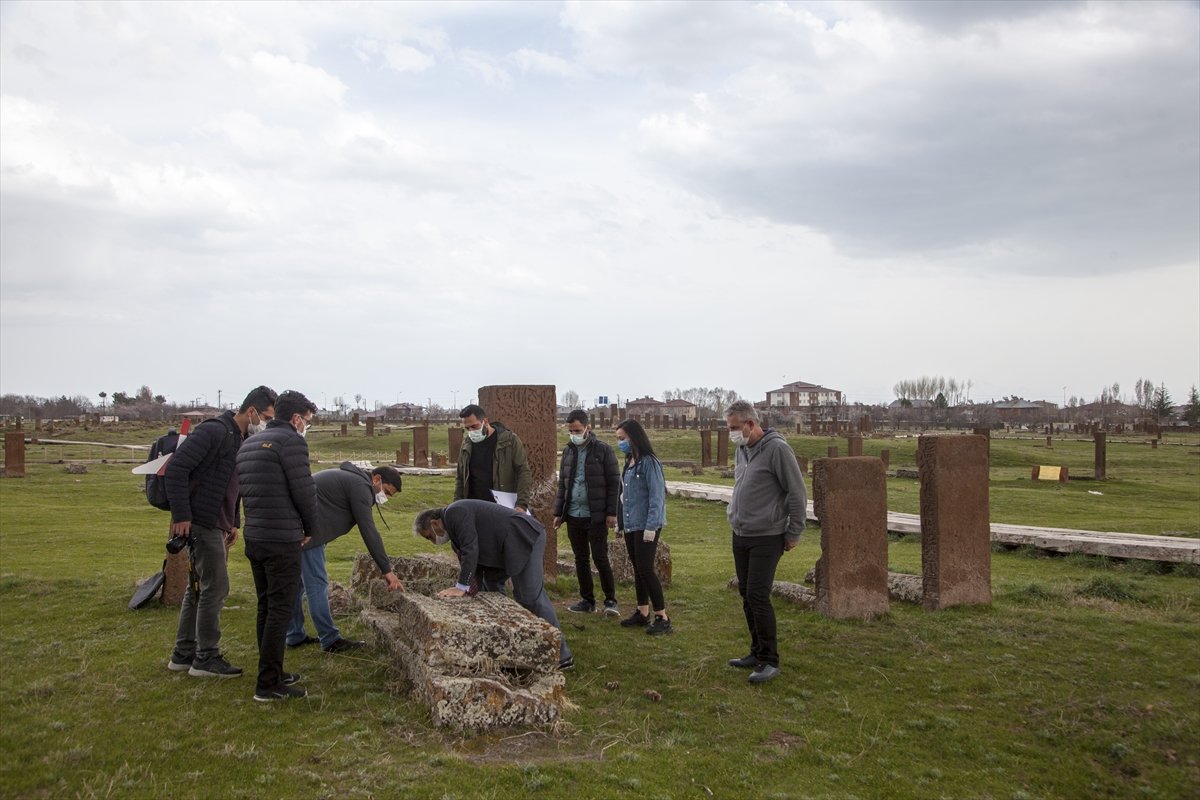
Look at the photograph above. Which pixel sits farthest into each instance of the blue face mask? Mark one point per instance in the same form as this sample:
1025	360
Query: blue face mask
624	446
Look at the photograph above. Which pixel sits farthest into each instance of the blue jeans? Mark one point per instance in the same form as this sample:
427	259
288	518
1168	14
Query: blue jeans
315	582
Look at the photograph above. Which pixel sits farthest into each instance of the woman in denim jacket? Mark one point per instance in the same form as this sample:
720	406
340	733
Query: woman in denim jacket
641	515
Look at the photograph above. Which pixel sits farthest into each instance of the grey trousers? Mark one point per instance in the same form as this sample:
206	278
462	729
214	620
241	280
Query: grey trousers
199	633
529	589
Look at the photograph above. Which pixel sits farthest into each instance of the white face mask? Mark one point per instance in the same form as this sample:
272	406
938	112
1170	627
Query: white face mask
477	436
381	497
441	538
737	437
578	438
258	427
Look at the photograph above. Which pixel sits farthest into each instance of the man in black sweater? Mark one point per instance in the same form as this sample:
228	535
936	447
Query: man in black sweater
345	498
203	489
281	513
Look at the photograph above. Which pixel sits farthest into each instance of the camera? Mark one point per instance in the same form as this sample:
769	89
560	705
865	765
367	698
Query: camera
177	543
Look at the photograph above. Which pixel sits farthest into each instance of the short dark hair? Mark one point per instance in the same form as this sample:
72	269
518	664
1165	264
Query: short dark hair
578	415
290	403
422	520
472	411
259	399
638	438
388	475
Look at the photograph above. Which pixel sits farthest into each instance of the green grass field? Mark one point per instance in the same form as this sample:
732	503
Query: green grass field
1081	680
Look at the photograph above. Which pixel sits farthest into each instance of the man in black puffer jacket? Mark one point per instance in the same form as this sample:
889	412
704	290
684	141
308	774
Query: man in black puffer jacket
281	513
203	489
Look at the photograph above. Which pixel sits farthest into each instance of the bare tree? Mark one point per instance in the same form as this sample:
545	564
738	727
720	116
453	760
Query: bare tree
570	399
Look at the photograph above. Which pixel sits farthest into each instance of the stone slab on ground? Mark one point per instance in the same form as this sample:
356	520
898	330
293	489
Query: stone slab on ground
479	663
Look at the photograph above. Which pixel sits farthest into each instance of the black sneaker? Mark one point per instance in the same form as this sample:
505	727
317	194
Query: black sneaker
582	607
745	662
610	609
282	693
289	678
344	646
567	663
660	626
635	619
304	641
180	663
214	667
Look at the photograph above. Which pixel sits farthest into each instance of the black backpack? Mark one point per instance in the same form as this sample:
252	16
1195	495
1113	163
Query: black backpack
156	485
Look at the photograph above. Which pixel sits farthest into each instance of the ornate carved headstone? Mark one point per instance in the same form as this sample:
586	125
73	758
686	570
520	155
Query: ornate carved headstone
956	555
529	412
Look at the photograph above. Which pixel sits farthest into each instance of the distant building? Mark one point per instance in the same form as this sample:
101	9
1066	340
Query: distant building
806	399
679	410
644	407
1025	412
401	411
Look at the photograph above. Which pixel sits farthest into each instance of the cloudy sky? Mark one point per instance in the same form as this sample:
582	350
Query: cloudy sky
409	201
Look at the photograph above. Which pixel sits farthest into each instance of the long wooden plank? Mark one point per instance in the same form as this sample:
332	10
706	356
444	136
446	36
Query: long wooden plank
1172	549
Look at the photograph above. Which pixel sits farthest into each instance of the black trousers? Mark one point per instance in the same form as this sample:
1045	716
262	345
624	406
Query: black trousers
586	536
645	579
755	559
276	570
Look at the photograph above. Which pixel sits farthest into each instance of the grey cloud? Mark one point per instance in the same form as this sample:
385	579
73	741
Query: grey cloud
951	16
1082	163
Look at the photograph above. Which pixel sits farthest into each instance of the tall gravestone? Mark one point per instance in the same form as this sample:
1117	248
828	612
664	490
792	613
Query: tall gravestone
354	419
885	456
722	447
455	436
370	426
402	453
956	555
529	412
1101	455
421	446
831	451
14	454
850	500
344	432
854	446
706	448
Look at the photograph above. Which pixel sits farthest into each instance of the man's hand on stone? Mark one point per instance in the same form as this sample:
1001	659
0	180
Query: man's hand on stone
453	591
393	583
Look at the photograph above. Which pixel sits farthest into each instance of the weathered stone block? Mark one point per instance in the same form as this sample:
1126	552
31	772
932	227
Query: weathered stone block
956	555
425	574
850	500
479	663
618	558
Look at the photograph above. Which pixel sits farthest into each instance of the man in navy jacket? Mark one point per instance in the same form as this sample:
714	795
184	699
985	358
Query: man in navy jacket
203	489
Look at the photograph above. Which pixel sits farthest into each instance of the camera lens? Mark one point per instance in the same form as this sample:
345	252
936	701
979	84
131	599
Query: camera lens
176	543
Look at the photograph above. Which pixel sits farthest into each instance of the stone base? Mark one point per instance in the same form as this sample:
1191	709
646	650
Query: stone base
622	567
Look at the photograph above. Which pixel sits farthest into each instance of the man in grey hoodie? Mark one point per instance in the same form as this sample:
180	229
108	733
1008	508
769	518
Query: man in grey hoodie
345	497
767	514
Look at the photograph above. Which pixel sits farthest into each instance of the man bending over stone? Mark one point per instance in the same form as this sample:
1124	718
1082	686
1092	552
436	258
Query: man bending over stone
494	543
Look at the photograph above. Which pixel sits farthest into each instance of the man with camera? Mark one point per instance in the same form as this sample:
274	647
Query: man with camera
203	489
